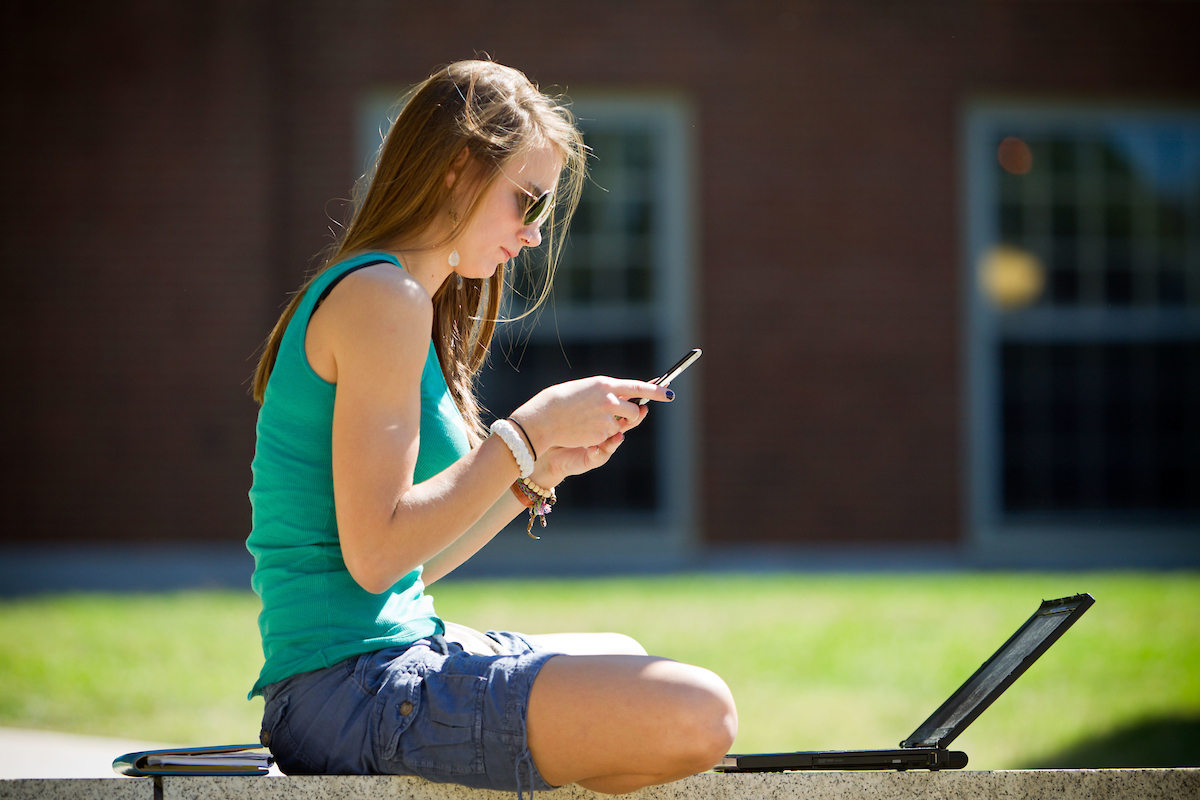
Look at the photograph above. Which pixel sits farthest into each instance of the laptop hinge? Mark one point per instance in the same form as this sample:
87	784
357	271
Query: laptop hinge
934	740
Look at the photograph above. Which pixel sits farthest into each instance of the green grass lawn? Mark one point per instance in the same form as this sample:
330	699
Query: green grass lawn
815	661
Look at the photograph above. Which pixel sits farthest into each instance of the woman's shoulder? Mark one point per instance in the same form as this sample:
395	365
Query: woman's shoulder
381	285
390	281
379	311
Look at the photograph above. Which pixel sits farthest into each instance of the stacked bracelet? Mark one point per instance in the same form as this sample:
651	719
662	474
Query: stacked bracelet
540	500
522	498
509	435
536	498
526	435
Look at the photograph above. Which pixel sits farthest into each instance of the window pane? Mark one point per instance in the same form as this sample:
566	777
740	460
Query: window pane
1118	206
615	224
629	481
1101	427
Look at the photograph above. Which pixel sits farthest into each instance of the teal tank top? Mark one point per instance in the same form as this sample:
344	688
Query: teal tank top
313	612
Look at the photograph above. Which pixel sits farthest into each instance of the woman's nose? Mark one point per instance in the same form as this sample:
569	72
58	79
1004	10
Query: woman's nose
532	236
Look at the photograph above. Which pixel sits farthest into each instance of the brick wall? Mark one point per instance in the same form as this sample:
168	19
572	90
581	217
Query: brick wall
171	169
136	228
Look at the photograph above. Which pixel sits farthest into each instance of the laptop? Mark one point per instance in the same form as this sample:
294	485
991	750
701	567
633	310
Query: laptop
926	748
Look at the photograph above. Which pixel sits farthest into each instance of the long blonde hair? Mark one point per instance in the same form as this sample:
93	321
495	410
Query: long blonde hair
497	114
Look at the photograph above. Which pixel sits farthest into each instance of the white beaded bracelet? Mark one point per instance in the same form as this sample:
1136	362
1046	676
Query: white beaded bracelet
508	433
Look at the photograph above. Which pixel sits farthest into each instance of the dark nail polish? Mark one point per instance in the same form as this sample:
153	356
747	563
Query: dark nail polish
670	395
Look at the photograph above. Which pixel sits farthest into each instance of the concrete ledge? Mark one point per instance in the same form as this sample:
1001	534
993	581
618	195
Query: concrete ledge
1117	784
75	789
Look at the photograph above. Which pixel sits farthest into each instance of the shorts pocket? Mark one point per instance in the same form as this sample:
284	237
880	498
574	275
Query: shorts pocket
446	737
399	706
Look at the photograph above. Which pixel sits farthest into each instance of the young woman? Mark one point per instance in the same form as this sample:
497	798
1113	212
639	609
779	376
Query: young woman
374	477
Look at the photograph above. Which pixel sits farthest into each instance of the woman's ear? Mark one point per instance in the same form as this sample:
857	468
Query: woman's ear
456	166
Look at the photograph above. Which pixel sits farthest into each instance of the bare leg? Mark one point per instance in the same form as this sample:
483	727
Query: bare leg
617	723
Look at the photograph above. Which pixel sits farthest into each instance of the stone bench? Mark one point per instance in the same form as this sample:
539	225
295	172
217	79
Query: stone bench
1116	784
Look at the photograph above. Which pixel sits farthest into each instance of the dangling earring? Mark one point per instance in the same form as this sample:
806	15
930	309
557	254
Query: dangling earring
453	259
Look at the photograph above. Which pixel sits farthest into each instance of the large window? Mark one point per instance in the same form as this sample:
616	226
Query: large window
621	305
1084	330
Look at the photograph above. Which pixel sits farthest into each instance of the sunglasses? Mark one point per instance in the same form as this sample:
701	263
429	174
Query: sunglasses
539	208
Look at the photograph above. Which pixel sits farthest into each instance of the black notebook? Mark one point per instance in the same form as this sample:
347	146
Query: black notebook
926	747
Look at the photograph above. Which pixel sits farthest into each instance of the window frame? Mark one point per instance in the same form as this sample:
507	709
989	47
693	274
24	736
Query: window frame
997	537
616	540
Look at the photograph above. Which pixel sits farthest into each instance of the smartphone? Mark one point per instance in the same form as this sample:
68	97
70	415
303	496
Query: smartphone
673	372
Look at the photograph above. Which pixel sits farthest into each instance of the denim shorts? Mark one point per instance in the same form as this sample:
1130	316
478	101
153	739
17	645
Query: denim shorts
431	709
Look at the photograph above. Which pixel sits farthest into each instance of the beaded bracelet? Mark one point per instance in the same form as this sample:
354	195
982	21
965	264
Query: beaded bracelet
508	434
540	500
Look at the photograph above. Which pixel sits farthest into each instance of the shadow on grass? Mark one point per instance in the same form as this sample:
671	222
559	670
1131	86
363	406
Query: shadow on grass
1155	742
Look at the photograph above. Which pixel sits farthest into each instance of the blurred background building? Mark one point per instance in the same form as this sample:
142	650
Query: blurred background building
943	259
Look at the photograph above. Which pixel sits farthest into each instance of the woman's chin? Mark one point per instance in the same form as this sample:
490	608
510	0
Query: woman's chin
481	274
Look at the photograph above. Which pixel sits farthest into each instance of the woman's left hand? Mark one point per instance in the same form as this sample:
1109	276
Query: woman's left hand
560	462
564	461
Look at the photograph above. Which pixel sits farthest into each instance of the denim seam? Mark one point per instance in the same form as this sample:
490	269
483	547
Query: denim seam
294	754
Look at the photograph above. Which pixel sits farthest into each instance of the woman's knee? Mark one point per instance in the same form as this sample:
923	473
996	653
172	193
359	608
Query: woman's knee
721	714
705	719
592	717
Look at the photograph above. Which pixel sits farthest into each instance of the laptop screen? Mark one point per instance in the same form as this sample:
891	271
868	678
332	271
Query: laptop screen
998	673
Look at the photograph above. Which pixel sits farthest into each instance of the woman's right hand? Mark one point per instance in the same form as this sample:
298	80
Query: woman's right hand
586	413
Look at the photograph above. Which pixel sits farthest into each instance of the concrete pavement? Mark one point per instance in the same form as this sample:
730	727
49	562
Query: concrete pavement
42	754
